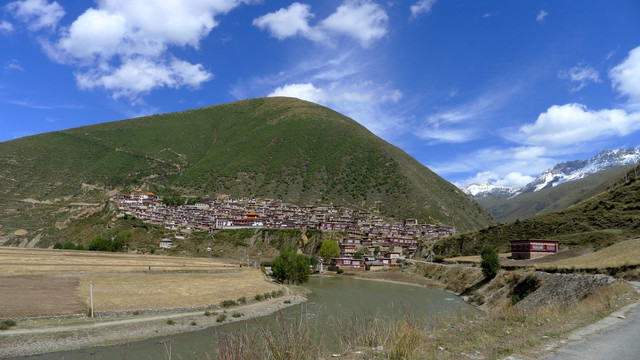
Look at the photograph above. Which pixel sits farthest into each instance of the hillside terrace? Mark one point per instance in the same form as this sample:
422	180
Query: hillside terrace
364	231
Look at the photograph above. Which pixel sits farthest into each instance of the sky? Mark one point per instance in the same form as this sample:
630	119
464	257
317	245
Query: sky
476	90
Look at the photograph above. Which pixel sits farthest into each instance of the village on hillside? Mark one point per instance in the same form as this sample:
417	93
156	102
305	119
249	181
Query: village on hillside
369	242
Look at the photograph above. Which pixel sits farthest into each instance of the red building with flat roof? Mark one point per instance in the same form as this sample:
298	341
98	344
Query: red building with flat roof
531	249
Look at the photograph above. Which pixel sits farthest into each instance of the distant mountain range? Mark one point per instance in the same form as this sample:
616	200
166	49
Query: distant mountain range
560	173
564	185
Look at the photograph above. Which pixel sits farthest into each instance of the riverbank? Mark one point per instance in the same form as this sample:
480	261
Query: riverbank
560	305
54	335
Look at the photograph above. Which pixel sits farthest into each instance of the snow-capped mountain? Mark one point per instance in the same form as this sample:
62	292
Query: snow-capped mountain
484	189
562	172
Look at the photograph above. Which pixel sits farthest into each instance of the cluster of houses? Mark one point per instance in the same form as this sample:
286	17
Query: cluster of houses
379	242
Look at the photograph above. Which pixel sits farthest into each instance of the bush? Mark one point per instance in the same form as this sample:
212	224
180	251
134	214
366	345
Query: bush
193	323
438	258
58	246
490	262
259	297
525	287
7	324
221	318
171	322
340	271
237	315
228	303
242	300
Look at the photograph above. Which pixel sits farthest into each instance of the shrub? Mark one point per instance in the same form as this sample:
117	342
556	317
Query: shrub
266	296
287	301
193	323
490	262
242	300
237	314
207	313
7	324
340	271
525	287
228	303
438	258
171	322
259	297
221	318
57	246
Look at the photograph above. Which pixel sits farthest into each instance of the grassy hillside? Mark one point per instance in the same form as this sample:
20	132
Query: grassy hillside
280	148
552	199
597	222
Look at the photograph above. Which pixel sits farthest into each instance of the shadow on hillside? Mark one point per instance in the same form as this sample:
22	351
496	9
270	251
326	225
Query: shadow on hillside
471	289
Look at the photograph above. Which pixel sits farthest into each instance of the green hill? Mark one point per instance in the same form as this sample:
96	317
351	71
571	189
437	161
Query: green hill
597	222
551	199
281	148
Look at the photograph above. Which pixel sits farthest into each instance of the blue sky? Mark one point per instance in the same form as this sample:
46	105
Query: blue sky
476	90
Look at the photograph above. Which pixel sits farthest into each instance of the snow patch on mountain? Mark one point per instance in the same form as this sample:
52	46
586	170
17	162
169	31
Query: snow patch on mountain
561	173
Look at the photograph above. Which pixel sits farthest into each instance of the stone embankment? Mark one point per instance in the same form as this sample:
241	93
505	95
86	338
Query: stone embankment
496	294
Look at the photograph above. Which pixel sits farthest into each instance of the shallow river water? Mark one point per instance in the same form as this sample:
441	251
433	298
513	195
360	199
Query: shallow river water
332	302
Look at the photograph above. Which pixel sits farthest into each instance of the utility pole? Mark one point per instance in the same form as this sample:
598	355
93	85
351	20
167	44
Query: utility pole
91	295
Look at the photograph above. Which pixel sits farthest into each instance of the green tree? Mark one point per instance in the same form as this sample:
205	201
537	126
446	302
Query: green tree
329	250
490	262
290	267
358	255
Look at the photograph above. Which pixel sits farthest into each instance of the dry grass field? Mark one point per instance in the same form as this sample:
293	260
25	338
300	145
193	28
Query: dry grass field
619	254
623	253
38	282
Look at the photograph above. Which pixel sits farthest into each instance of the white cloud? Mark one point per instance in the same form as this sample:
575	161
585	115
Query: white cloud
139	76
422	7
435	135
362	20
13	65
541	16
564	125
626	76
123	46
301	91
581	74
512	166
514	179
287	22
6	27
37	14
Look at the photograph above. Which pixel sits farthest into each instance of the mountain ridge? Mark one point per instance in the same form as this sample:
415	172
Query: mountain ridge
560	173
282	148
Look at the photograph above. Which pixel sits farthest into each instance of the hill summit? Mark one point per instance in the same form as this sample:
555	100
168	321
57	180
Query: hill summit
281	148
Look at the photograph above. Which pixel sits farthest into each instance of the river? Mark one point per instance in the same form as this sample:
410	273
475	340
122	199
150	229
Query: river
332	301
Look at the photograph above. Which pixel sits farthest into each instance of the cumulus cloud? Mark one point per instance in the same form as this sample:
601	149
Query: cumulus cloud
287	22
626	76
37	14
301	91
139	76
6	27
364	101
580	74
541	16
421	7
362	20
123	46
564	125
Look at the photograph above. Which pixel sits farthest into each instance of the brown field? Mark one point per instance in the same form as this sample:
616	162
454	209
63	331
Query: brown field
39	282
